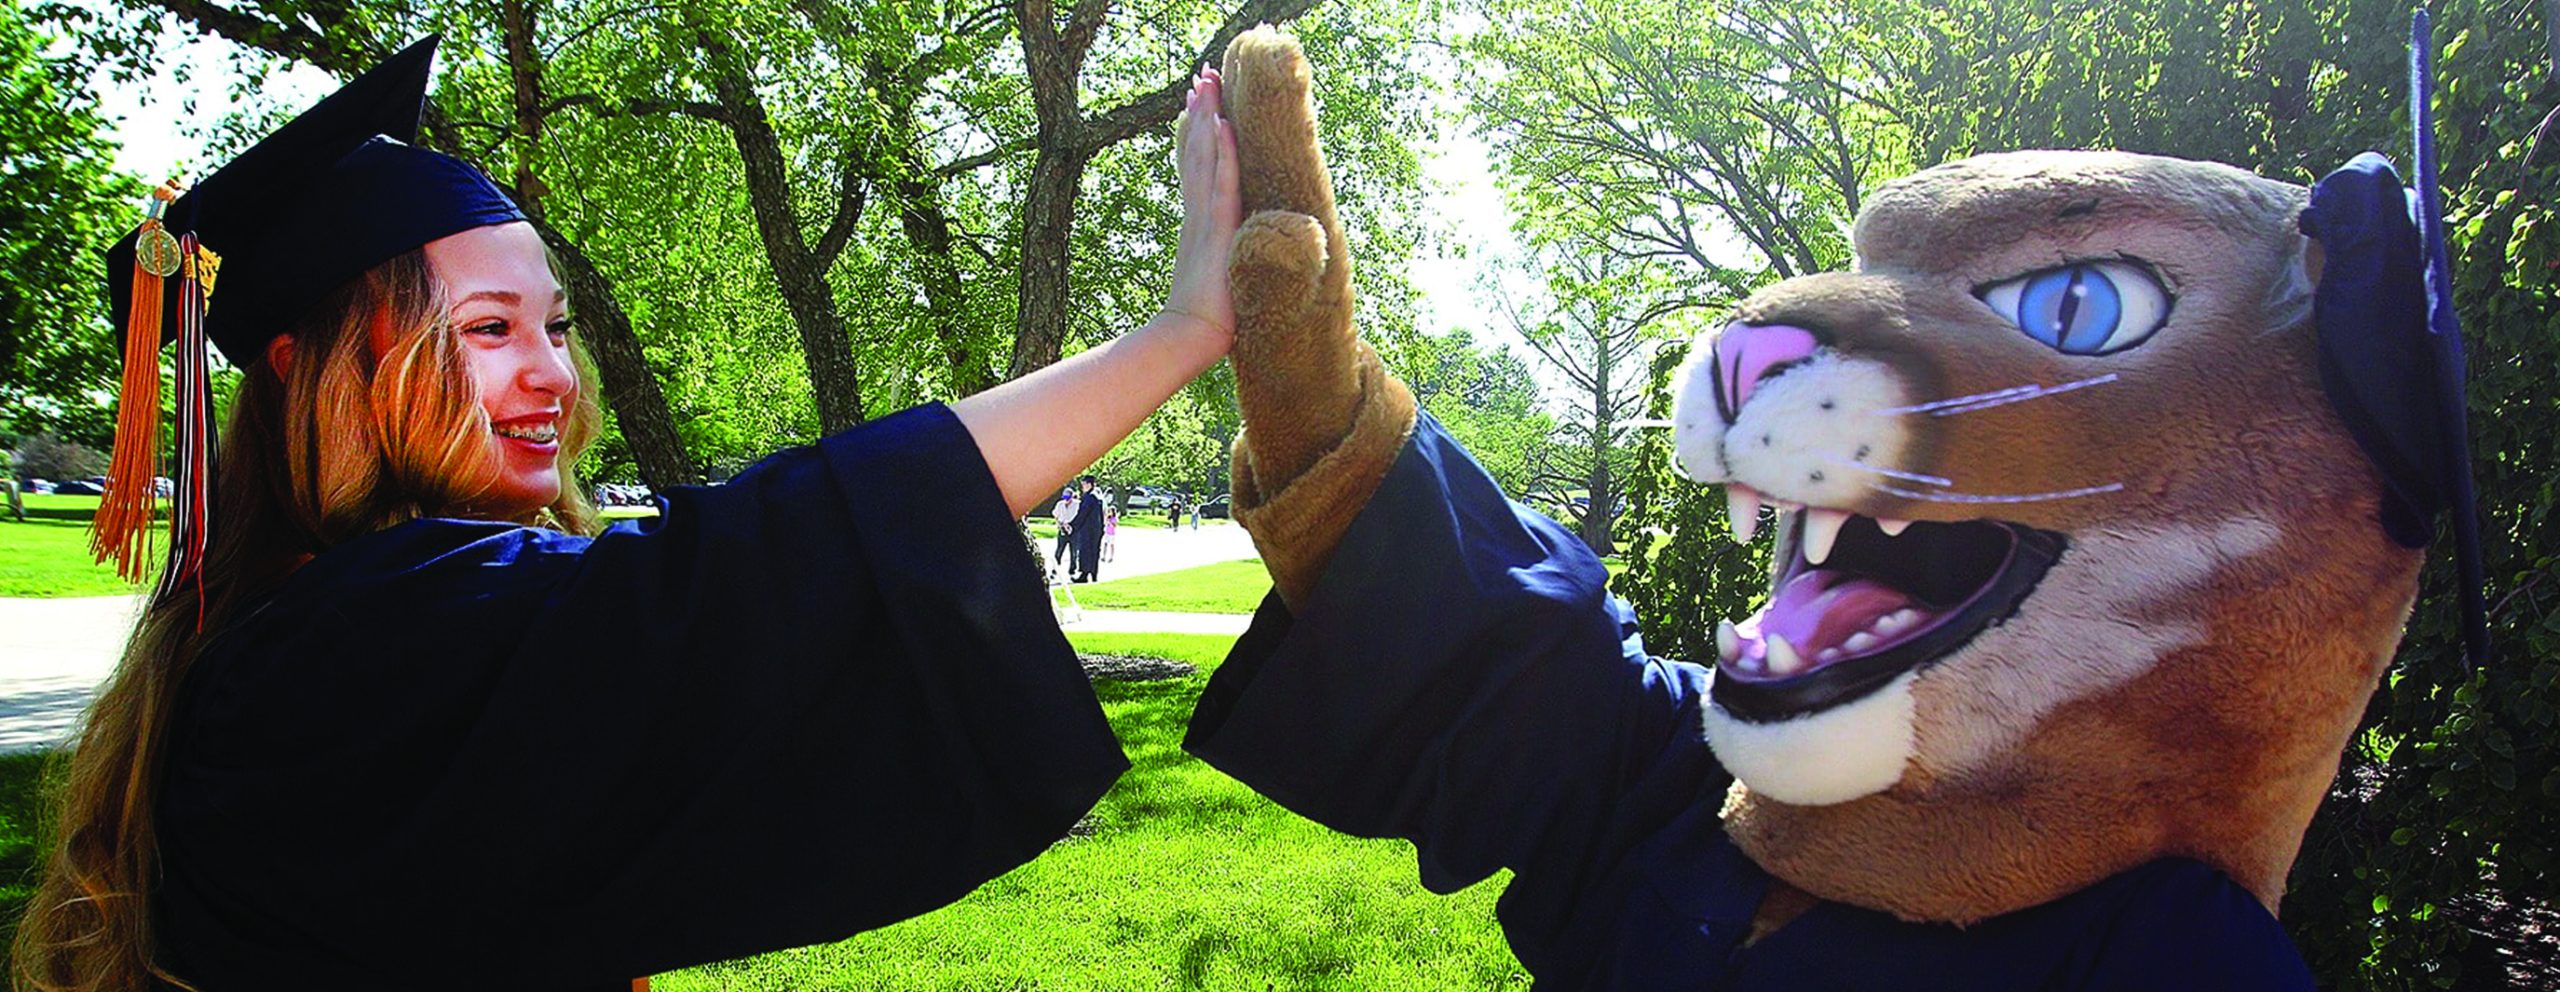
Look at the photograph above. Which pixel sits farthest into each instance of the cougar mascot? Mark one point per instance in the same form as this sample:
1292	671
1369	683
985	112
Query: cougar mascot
2087	564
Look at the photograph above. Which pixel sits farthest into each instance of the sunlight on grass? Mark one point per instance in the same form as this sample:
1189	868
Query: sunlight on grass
1225	587
46	558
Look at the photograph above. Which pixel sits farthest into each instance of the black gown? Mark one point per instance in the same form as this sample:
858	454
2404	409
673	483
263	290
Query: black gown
1460	677
1088	535
468	755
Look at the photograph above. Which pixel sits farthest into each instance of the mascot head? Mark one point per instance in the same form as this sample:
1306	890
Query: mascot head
2077	564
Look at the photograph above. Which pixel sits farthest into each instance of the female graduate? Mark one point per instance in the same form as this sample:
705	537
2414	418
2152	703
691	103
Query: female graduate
394	721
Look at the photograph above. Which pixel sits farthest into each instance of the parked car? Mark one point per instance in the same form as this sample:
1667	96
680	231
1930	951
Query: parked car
80	487
1216	508
39	486
622	494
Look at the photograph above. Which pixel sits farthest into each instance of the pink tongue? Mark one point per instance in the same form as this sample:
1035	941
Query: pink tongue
1819	609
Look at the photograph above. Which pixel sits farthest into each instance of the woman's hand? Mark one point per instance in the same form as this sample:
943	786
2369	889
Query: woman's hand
1204	155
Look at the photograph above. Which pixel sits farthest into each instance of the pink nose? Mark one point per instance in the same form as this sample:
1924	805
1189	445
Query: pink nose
1745	353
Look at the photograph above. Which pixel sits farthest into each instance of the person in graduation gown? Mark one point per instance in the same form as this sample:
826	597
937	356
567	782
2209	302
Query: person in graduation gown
408	721
1089	530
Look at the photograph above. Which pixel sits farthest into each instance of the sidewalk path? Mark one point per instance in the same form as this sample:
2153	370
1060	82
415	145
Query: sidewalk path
54	652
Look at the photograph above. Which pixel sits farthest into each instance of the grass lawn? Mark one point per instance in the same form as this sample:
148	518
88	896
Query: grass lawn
1225	587
1188	881
51	558
1185	880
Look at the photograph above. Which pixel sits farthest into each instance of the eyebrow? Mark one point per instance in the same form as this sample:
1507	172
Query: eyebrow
506	297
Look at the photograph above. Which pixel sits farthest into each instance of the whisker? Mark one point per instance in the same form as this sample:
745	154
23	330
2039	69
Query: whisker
1997	397
1978	498
1890	473
1936	405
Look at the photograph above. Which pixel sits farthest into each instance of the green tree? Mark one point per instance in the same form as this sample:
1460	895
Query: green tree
64	204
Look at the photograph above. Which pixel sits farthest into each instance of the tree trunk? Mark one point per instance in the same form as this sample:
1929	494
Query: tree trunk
1595	521
798	272
629	388
1048	216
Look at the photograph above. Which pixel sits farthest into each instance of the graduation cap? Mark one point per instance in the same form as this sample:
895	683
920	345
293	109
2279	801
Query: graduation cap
2390	344
308	209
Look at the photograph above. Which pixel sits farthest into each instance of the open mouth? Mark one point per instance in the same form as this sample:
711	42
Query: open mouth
1870	606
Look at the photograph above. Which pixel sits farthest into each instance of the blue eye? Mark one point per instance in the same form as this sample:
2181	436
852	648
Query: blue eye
2085	308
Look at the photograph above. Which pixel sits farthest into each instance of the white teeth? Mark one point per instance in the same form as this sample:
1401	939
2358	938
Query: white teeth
544	433
1728	640
1892	623
1821	528
1742	505
1892	527
1860	641
1828	655
1783	659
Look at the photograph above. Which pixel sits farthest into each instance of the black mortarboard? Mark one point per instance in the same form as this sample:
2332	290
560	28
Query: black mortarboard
239	258
337	191
2391	346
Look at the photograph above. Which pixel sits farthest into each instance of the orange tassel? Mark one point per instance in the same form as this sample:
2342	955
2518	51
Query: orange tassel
122	528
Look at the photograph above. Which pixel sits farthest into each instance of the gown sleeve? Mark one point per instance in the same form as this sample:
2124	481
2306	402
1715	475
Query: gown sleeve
1460	677
822	697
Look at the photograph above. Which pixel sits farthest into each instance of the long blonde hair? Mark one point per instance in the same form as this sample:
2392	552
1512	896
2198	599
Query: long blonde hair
340	443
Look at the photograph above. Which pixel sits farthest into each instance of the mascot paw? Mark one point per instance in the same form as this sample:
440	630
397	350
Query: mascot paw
1323	420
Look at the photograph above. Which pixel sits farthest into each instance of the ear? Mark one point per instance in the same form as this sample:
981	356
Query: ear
280	354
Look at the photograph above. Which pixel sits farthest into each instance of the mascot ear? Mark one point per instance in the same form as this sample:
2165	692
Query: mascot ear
2390	346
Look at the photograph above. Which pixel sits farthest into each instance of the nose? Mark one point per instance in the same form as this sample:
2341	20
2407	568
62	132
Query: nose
549	370
1748	353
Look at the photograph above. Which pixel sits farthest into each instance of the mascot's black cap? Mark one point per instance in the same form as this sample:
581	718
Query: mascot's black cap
2391	346
337	191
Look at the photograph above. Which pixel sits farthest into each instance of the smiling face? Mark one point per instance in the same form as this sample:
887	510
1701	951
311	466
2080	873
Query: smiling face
511	317
2076	567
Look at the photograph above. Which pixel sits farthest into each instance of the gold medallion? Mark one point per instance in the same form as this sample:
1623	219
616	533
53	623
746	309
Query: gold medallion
156	251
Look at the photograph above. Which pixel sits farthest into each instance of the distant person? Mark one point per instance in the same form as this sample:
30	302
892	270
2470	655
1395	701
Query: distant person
1088	540
1173	510
9	481
1110	531
1064	514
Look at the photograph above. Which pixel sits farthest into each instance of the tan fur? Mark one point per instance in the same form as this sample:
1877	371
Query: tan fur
1323	420
2183	681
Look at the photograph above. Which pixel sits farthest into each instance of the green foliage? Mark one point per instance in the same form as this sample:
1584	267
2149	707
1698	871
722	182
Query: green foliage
1487	398
64	205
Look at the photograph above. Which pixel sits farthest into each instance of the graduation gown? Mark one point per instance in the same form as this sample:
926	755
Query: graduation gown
469	755
1461	678
1088	533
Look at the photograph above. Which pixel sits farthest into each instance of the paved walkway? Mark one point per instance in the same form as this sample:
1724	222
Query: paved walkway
54	652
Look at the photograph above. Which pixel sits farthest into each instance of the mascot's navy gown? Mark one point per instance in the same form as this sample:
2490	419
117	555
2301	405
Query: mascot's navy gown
1461	678
469	755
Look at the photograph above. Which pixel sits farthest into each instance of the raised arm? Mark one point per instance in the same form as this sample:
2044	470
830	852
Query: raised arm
1038	430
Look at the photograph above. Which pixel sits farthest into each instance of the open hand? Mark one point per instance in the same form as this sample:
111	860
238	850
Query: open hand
1204	145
